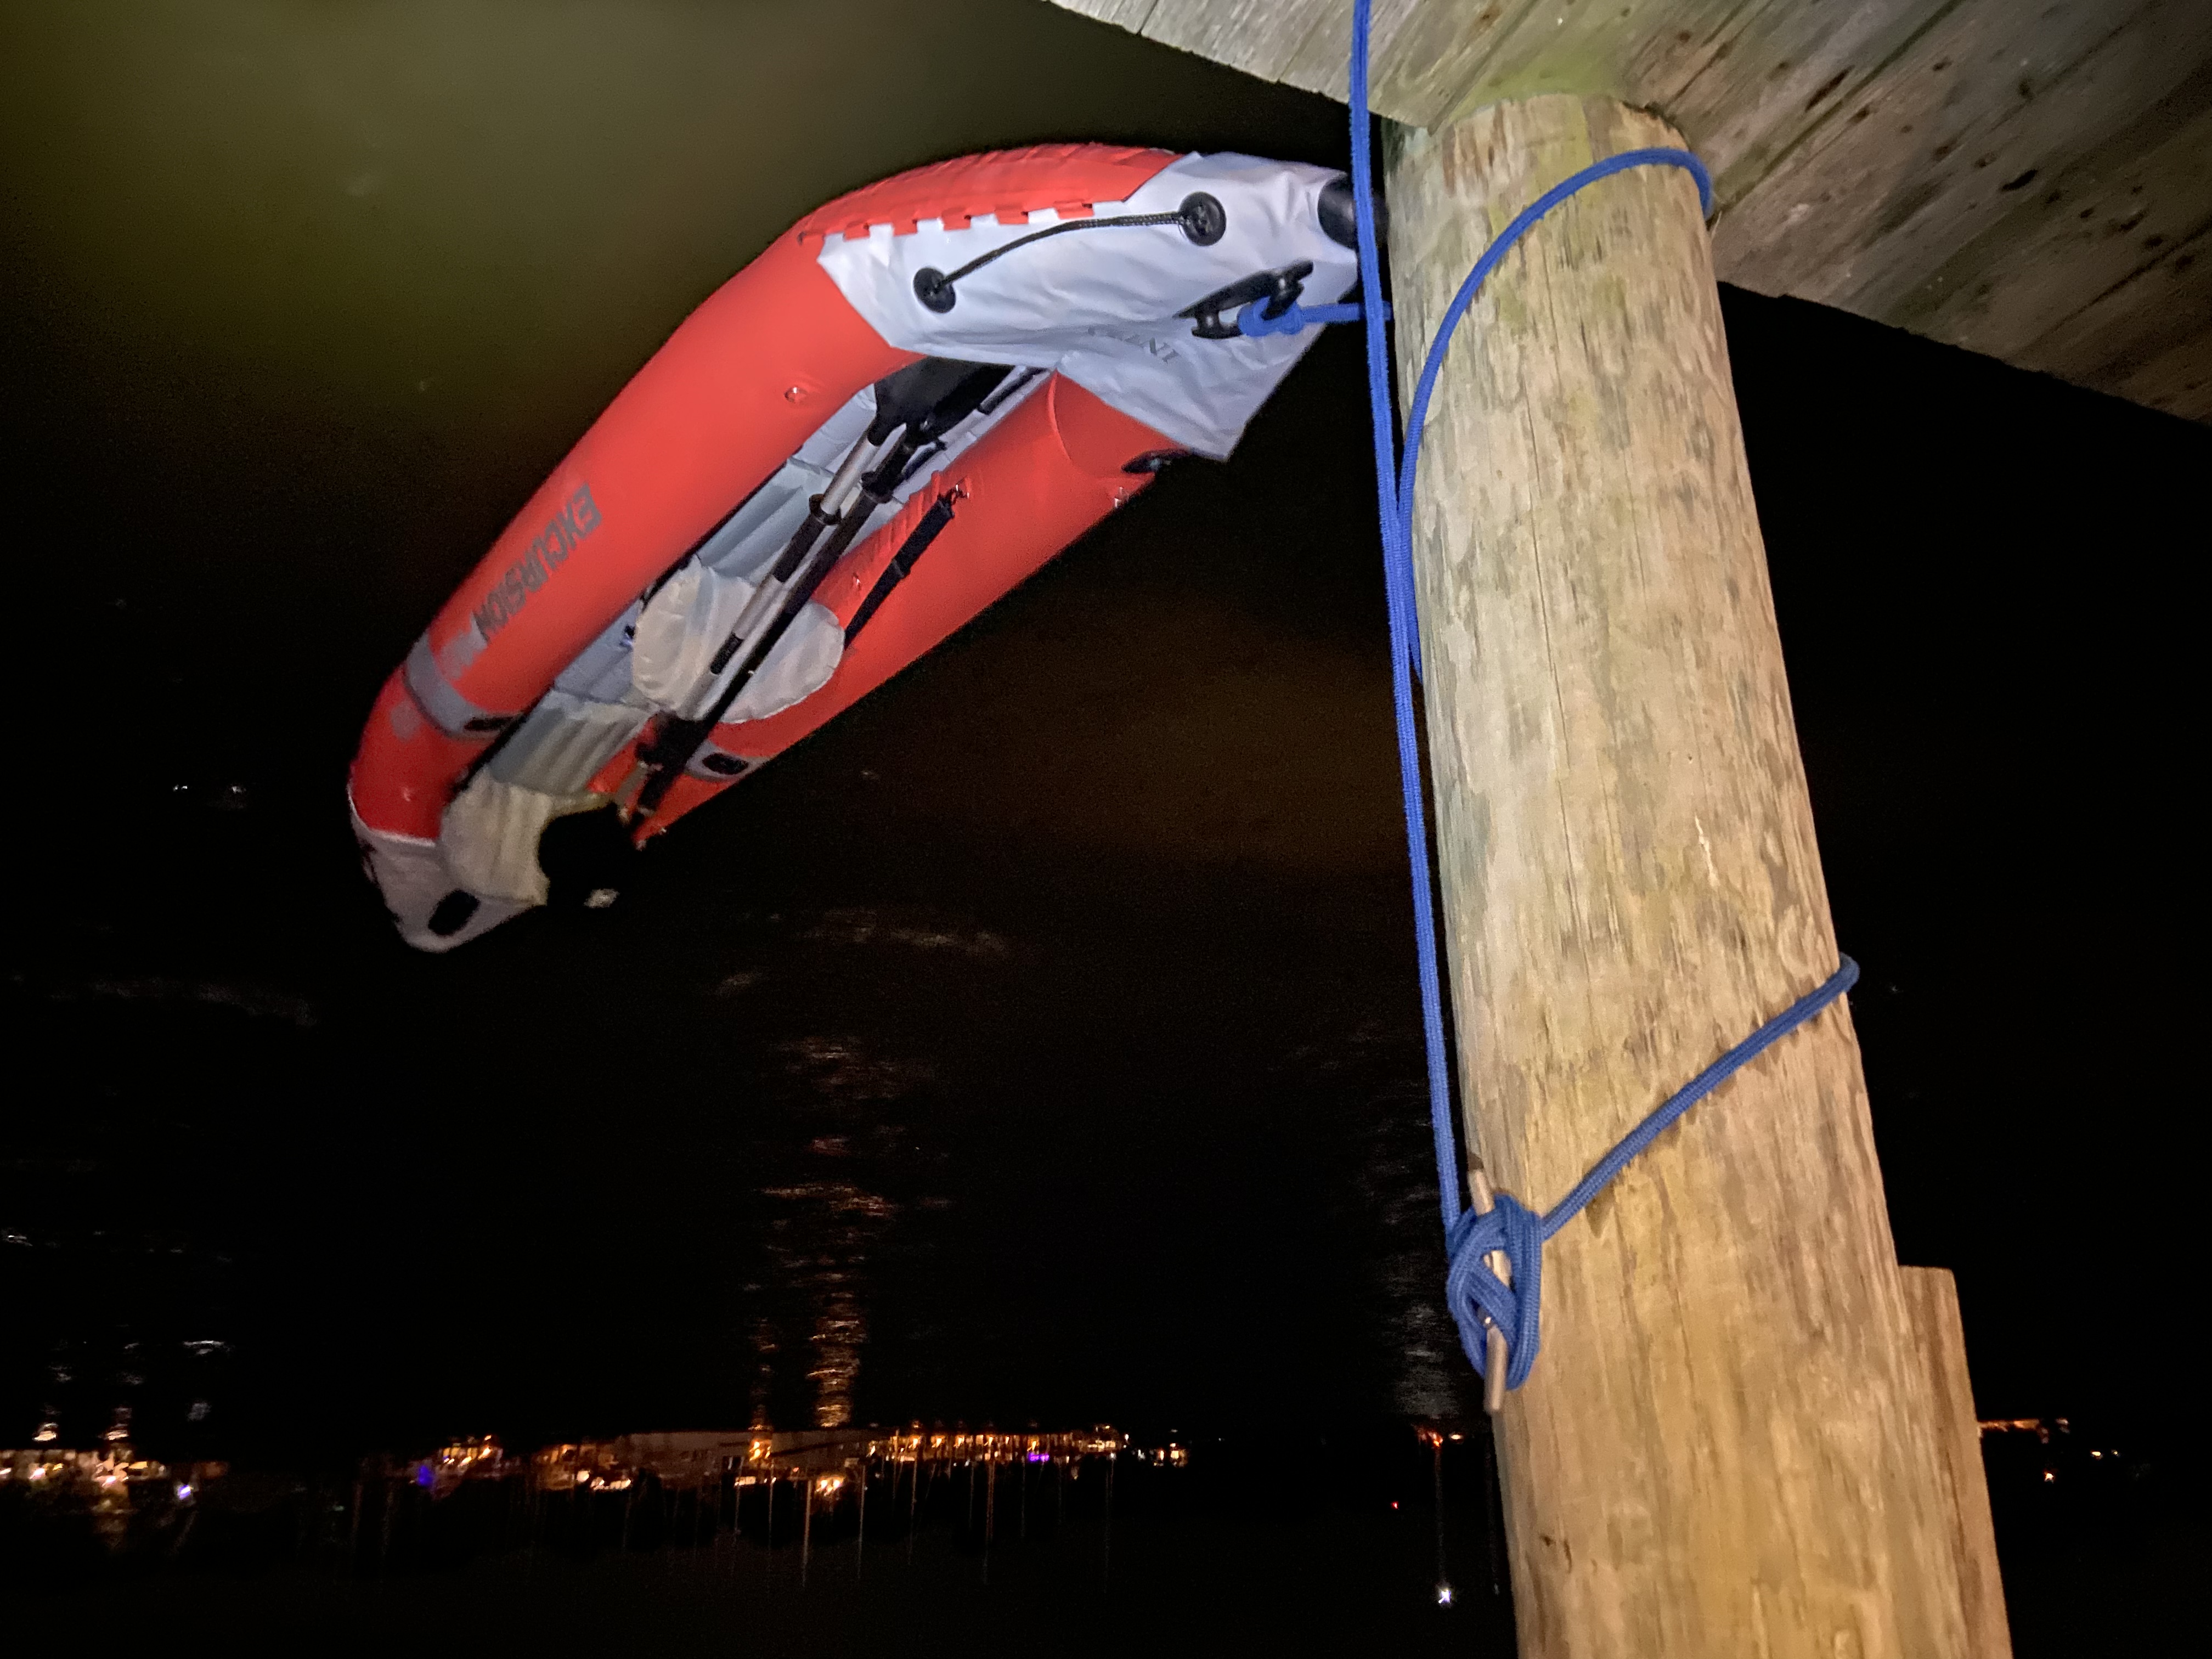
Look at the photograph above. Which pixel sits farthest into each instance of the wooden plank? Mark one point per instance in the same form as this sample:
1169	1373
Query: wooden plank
1260	37
1742	81
1727	1447
1306	44
1762	81
1323	61
2083	246
2145	340
2063	167
1766	63
1423	49
1932	1300
2092	223
1939	147
1433	52
1437	58
1131	14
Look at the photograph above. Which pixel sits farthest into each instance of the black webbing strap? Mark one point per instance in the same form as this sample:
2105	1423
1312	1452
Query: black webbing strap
902	561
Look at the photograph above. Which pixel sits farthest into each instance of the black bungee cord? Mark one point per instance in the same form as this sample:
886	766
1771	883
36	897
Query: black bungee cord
1201	216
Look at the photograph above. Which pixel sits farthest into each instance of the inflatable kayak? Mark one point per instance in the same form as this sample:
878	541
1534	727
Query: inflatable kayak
903	408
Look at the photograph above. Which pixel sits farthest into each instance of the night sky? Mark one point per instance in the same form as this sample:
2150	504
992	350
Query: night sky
1040	1040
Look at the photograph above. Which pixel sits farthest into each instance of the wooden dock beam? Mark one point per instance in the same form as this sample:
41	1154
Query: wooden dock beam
1728	1446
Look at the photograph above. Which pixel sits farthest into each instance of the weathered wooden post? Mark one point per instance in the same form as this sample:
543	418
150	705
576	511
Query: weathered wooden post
1940	1341
1728	1446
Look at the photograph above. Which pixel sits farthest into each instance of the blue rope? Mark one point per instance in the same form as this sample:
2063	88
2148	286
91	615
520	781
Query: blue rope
1296	317
1478	1298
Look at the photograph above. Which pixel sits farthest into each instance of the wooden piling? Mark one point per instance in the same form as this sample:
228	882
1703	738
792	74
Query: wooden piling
1727	1446
1931	1299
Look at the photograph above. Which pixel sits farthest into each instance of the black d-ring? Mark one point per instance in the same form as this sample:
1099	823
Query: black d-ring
1203	218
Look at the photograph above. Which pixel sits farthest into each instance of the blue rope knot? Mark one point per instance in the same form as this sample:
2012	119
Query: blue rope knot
1252	323
1480	1300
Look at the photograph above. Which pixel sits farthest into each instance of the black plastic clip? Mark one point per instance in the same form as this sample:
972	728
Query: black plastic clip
1275	291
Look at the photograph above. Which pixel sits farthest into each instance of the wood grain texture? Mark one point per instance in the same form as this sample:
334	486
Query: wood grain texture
2124	224
1931	1298
1756	64
2031	181
2033	198
1260	37
1919	153
1726	1448
1130	15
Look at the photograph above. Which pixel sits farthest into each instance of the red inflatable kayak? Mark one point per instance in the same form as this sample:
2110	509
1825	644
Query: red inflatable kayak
910	402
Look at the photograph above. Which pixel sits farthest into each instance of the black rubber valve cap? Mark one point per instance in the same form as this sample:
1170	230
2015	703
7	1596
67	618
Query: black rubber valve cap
1204	219
933	291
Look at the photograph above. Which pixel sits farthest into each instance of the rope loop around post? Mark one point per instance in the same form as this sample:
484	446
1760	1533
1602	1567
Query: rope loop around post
1480	1300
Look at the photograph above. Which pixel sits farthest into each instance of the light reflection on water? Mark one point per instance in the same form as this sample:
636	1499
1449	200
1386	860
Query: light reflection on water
821	1232
1394	1174
782	1541
821	1247
885	1231
828	1231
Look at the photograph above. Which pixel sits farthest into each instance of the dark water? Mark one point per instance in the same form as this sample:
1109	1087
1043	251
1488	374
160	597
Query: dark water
916	1052
1292	1552
1039	1042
